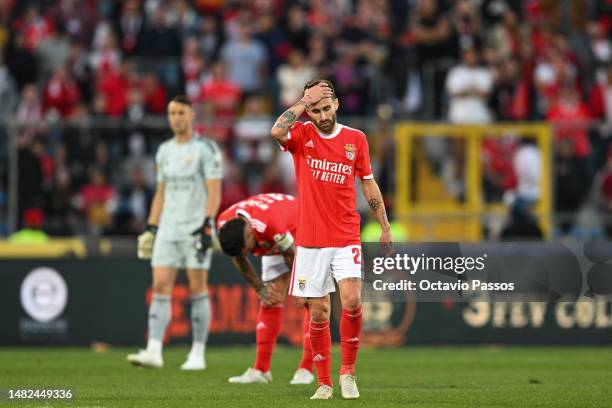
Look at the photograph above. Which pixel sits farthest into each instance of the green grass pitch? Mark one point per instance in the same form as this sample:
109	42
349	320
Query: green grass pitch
409	377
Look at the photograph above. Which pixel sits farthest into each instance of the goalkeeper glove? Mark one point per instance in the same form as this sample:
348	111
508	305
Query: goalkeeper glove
204	238
145	242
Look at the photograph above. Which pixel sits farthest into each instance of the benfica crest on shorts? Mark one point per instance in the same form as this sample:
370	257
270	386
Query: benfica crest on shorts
350	151
302	283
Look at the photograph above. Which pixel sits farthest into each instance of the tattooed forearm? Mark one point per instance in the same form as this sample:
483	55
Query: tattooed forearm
285	121
374	204
375	201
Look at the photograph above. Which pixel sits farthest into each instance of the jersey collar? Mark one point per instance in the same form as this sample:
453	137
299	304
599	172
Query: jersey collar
331	135
244	214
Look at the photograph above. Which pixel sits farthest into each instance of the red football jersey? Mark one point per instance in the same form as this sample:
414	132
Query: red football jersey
269	215
325	168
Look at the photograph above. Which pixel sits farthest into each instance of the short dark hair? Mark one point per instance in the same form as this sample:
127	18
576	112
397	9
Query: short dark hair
182	99
231	236
315	82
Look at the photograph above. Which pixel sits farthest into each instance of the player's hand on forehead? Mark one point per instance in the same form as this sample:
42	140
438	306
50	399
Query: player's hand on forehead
318	92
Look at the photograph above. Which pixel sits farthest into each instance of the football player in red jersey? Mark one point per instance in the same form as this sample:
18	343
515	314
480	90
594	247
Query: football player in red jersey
327	156
264	225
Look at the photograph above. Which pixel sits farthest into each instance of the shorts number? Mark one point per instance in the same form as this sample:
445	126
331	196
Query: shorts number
356	256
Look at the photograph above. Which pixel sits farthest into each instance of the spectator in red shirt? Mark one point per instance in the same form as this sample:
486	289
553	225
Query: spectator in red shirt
154	94
115	86
221	92
570	117
106	56
34	27
497	154
601	98
97	199
61	94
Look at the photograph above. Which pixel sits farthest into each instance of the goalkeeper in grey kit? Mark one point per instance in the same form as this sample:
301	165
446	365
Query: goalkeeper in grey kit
180	231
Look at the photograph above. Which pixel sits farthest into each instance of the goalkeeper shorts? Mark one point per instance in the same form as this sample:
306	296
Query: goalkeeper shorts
179	254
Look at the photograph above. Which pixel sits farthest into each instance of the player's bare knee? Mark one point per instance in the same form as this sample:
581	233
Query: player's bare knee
162	287
197	279
351	300
197	286
319	311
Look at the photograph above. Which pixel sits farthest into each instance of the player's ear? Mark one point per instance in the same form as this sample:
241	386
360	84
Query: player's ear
336	104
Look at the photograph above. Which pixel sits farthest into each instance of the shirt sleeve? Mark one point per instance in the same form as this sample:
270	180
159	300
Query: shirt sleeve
213	161
278	233
294	137
363	168
159	168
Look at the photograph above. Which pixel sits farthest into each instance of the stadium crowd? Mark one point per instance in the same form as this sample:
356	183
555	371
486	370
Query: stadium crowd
86	85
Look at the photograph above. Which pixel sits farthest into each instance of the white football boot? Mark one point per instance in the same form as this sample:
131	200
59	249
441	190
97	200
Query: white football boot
194	363
348	386
252	376
302	376
145	358
323	392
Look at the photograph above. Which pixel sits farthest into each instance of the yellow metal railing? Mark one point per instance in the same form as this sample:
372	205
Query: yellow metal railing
462	220
55	248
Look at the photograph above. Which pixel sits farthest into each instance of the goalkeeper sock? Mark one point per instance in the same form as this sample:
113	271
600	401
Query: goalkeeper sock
306	362
350	335
200	321
268	328
320	338
159	317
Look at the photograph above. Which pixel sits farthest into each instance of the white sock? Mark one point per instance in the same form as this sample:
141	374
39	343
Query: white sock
155	347
197	349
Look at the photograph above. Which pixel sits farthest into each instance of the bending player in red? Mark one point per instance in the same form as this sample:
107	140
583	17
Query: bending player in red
327	156
264	225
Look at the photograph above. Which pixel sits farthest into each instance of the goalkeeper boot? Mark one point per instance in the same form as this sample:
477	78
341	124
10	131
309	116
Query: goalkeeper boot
194	363
252	376
348	386
302	376
147	359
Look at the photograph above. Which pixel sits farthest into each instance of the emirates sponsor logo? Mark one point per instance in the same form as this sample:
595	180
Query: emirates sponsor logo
329	171
317	357
326	165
